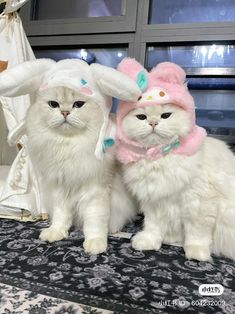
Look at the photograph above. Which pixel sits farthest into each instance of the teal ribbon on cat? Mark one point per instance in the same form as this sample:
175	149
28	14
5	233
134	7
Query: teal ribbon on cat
107	143
166	149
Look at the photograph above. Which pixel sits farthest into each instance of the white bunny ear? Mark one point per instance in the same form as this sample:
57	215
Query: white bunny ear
24	78
114	83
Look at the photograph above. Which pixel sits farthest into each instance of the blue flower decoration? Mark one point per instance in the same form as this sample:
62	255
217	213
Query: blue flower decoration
83	82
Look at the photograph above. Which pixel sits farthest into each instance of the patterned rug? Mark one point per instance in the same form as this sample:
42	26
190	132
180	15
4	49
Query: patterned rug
120	281
19	301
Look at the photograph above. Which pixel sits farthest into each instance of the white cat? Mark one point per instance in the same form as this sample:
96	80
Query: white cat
62	135
63	126
184	181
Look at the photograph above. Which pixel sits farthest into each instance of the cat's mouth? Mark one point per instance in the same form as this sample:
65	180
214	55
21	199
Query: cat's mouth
160	134
153	138
66	123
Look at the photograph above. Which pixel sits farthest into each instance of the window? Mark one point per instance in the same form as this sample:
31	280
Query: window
56	17
60	9
215	108
191	11
203	55
107	56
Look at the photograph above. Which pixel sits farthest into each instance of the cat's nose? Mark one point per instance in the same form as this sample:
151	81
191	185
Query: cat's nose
153	124
65	113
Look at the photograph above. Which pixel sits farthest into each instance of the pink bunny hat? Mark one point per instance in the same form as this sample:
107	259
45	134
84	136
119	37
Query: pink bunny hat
164	84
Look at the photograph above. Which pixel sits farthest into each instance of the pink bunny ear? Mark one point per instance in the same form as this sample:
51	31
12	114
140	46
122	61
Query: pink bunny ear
130	67
135	71
169	72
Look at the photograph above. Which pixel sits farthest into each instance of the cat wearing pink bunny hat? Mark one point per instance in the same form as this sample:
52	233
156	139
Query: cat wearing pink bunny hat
183	180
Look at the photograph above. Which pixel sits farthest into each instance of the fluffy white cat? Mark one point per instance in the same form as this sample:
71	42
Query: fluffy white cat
68	137
62	135
186	200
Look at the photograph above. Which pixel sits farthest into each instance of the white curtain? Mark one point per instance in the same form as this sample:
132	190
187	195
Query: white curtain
19	194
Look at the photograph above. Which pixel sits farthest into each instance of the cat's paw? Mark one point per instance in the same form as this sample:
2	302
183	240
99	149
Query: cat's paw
95	245
52	234
145	241
198	252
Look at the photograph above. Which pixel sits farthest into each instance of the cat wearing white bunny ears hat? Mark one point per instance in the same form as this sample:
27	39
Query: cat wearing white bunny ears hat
66	127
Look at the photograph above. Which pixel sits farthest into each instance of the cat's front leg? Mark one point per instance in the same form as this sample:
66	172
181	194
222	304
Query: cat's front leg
52	234
196	248
150	238
198	231
61	222
95	211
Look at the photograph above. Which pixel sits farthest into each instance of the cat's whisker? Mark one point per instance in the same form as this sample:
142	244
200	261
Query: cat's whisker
164	133
75	121
55	123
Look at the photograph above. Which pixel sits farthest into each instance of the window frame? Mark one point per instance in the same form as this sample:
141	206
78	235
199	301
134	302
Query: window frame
81	41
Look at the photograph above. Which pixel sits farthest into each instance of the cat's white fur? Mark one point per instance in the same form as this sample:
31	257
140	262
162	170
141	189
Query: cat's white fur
75	186
186	200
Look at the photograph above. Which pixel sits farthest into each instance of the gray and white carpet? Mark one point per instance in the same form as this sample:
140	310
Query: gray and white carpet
41	278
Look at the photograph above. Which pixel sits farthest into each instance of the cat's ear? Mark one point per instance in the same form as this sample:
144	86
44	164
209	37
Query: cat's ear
169	72
136	71
24	78
114	83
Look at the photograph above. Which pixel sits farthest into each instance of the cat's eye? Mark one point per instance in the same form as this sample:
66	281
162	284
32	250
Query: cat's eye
78	104
141	116
140	98
166	115
53	104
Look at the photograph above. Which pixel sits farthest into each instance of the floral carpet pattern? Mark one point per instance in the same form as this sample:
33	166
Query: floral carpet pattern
18	301
121	280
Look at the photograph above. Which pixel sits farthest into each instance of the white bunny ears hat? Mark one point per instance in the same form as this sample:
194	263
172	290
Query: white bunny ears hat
95	82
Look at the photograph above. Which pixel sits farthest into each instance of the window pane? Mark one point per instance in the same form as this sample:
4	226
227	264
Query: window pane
65	9
215	110
193	56
191	11
107	56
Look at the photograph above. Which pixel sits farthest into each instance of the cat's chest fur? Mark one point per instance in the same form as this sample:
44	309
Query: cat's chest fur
158	186
152	180
67	161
